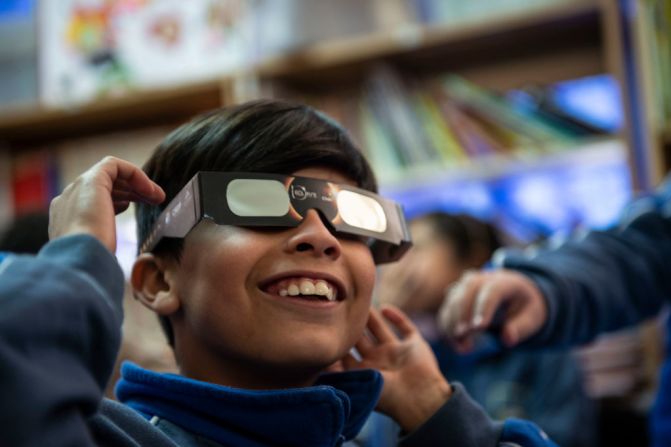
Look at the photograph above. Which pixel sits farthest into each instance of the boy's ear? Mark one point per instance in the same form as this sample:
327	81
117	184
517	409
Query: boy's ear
151	283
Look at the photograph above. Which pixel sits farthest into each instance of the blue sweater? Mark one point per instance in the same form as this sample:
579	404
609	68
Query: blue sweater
60	320
609	280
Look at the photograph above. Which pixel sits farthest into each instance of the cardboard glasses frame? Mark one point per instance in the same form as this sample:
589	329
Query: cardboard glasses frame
275	200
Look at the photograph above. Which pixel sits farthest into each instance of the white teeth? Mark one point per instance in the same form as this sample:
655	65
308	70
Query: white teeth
321	288
307	288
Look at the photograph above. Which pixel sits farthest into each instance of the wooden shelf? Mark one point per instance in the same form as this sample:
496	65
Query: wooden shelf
29	126
571	25
594	152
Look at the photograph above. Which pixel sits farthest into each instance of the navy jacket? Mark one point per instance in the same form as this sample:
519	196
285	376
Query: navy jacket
60	320
608	280
525	384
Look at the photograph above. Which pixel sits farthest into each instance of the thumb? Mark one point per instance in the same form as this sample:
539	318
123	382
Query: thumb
518	329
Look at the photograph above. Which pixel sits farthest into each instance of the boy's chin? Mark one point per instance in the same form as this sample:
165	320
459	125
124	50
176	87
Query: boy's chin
335	367
319	349
317	360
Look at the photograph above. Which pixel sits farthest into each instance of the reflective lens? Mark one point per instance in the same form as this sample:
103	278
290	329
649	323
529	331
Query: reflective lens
360	211
257	198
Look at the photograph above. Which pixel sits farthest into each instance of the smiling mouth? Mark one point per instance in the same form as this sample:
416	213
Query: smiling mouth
305	288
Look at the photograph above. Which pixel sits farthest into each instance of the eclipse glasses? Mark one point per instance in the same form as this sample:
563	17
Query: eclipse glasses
274	200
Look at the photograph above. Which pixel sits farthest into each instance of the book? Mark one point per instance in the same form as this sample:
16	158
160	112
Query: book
544	134
379	148
34	181
472	137
6	203
389	101
443	139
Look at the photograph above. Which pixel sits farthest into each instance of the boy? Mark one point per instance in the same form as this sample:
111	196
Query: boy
256	312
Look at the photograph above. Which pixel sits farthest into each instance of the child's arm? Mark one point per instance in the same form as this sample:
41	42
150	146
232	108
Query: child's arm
417	396
60	314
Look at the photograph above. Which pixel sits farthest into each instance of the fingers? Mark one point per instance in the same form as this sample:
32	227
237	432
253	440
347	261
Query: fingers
459	302
365	344
122	189
379	328
125	176
121	206
471	307
485	303
488	300
526	316
89	203
349	362
400	320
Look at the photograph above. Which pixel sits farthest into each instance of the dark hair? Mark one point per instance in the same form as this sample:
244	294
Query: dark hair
268	136
467	235
26	234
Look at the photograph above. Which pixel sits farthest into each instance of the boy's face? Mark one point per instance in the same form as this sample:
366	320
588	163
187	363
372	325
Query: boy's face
238	316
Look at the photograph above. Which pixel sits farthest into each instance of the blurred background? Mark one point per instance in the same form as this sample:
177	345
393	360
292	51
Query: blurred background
540	117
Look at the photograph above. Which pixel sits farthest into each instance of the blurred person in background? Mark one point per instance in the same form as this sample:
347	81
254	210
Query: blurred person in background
545	387
596	283
26	234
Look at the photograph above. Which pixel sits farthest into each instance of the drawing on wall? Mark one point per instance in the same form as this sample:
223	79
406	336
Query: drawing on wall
98	48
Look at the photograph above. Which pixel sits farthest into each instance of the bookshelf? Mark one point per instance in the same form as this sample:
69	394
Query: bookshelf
570	30
593	151
476	49
539	46
569	39
650	44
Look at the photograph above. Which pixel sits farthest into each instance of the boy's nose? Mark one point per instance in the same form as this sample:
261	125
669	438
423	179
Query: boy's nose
313	237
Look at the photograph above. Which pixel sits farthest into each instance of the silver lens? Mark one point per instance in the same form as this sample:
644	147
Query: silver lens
360	211
257	198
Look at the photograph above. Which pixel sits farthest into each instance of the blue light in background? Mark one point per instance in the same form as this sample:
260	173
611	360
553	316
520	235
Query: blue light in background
594	99
16	9
471	196
530	205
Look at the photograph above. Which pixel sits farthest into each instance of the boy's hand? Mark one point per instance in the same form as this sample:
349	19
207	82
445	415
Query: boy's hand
471	305
88	205
414	388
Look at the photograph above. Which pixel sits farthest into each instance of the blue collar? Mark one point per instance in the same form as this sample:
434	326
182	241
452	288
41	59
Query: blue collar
326	414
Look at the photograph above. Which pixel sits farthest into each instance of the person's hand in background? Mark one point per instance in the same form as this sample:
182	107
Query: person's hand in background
88	205
502	297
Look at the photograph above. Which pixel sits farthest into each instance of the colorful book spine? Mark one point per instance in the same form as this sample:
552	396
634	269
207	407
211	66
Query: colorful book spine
34	181
489	104
443	139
